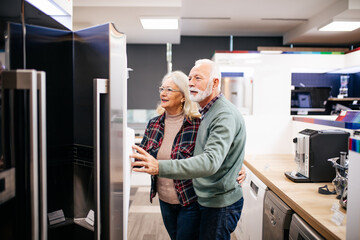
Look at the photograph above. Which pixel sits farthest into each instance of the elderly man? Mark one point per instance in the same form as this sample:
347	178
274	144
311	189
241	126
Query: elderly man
218	155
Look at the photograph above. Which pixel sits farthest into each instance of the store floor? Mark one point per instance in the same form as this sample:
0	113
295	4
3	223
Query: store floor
145	222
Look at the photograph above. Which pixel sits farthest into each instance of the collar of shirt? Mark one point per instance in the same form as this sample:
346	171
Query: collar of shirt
205	109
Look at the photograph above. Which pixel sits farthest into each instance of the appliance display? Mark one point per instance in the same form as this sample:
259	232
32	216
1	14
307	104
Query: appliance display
343	90
24	132
340	182
76	181
299	229
250	223
238	90
313	148
277	218
309	100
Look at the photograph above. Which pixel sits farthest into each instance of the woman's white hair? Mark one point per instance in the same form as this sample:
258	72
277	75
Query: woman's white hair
191	109
215	71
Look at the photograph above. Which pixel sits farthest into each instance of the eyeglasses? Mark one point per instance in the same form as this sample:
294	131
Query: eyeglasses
167	90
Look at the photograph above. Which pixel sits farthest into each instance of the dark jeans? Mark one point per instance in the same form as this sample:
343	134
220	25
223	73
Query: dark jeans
219	223
181	222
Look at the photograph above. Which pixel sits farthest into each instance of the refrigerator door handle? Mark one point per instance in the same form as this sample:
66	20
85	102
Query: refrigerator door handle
34	166
27	80
100	87
33	81
43	159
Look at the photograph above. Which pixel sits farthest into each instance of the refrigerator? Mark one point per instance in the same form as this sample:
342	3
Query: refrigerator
238	89
83	184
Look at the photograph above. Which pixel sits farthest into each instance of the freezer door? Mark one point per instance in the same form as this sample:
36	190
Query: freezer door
24	112
118	127
110	155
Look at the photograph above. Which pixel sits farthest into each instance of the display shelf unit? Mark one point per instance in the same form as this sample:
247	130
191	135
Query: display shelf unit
347	120
332	123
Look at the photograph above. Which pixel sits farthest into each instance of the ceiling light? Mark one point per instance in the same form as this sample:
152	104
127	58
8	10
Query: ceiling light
48	7
342	26
271	51
160	23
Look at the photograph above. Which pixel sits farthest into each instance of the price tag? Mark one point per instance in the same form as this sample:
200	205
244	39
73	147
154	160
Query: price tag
338	217
335	207
302	112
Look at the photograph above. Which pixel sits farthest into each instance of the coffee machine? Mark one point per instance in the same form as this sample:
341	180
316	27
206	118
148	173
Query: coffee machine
313	148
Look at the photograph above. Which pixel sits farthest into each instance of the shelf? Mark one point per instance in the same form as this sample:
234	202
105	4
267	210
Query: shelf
82	222
347	125
308	109
68	221
344	99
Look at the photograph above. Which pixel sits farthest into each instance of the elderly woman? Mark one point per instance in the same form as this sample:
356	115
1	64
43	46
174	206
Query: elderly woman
172	135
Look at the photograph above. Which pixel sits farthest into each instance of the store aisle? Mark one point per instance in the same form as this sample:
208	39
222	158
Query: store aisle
145	222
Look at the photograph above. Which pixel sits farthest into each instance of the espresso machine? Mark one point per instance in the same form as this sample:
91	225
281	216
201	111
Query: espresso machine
313	148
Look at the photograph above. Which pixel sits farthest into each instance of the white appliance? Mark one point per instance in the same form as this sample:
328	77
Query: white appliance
250	225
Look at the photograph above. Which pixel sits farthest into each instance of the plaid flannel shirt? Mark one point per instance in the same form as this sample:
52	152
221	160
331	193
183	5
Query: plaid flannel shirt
204	110
183	147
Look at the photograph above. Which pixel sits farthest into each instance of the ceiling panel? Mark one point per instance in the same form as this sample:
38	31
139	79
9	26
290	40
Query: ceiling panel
296	21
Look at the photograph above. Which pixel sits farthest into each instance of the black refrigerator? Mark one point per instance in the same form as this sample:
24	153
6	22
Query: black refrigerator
79	164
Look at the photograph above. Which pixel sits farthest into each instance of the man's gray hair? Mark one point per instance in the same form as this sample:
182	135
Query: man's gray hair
215	71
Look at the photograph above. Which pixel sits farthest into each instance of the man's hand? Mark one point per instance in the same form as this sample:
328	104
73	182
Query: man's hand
242	176
150	164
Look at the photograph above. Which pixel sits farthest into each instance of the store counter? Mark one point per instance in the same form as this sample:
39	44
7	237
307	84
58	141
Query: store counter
303	198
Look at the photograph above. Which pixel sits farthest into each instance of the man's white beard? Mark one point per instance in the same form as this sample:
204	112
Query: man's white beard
201	95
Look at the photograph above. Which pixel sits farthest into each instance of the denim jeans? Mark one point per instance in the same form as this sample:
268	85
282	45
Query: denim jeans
219	223
181	222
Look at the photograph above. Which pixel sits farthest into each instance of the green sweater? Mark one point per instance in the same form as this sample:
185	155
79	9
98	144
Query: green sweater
218	157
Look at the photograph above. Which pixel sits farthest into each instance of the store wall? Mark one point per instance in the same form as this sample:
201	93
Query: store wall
269	127
272	107
149	65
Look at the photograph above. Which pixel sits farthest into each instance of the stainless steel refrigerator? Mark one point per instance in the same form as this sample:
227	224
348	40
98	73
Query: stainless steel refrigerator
85	118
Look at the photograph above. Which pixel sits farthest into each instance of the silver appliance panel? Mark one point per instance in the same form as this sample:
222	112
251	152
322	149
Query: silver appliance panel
302	154
7	185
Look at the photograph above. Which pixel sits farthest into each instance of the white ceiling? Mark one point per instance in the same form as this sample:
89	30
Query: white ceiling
296	20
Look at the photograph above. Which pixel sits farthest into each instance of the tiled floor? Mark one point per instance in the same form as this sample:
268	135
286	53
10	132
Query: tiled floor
145	222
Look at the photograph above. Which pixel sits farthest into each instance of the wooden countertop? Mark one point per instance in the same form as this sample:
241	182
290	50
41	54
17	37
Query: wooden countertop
303	198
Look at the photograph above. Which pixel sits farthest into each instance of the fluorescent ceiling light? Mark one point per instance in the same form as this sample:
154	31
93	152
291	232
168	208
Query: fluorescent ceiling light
160	23
341	26
271	51
48	7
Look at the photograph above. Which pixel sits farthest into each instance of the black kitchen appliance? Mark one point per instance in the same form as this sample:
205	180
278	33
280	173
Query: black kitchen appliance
313	149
